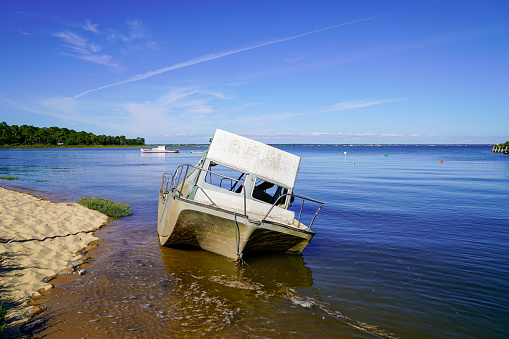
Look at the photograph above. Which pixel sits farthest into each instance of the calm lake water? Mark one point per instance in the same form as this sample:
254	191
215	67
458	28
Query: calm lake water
406	246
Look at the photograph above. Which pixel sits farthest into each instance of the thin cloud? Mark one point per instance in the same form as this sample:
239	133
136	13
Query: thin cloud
393	135
59	107
352	104
74	41
88	26
101	59
137	30
83	50
341	106
307	135
218	55
172	107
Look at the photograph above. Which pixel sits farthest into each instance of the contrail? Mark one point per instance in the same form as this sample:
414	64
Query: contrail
219	55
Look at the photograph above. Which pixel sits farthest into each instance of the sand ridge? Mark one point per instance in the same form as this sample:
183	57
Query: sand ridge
38	238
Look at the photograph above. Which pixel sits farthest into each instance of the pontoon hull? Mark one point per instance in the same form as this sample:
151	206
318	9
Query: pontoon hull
185	222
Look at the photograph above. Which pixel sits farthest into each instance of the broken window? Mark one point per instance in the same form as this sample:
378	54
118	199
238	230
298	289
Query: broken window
269	192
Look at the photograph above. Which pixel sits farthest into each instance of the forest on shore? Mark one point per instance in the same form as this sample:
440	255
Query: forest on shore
25	135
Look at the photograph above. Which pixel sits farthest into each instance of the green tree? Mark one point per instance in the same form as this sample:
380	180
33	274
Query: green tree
28	135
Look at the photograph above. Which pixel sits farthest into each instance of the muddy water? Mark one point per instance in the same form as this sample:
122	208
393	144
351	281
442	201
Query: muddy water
138	292
406	246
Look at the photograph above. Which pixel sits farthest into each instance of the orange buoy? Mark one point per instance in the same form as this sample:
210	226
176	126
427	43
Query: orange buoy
442	160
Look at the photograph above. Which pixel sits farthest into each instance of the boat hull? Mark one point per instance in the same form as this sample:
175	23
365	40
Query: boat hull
233	235
149	151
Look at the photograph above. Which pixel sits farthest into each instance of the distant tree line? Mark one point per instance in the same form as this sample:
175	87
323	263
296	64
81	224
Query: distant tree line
502	145
30	135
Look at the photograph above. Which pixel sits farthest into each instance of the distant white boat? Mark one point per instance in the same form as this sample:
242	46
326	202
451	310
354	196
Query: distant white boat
159	149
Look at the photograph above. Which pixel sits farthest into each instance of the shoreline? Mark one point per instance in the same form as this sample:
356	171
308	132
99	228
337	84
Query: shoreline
39	240
206	145
90	146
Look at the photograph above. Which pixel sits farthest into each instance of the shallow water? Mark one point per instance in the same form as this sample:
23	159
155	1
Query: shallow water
405	246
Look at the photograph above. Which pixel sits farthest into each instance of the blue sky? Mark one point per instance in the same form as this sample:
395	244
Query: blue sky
359	71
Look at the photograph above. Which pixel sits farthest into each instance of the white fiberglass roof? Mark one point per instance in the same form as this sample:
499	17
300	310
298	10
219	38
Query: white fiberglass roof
251	156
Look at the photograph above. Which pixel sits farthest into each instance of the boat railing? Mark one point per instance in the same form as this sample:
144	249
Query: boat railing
166	182
175	182
303	198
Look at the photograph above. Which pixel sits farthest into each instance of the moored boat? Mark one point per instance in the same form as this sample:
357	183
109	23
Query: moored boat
159	149
237	200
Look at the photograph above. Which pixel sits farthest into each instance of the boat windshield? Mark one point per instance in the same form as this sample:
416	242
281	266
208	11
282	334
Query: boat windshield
221	181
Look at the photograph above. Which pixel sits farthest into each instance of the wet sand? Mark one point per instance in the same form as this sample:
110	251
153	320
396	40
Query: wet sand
38	240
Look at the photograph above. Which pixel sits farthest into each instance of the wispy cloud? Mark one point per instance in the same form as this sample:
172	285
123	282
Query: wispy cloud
272	118
136	30
181	102
86	44
88	26
80	48
341	106
175	110
317	136
61	108
217	55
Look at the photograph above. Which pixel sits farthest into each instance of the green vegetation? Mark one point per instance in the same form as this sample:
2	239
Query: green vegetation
110	208
3	311
9	178
54	136
16	178
504	145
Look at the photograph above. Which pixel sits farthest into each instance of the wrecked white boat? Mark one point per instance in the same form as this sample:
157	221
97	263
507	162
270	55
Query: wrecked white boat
237	200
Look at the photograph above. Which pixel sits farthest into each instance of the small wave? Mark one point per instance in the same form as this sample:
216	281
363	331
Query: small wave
304	302
308	302
243	284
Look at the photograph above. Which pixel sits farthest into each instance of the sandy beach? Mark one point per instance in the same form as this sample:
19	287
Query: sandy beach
38	240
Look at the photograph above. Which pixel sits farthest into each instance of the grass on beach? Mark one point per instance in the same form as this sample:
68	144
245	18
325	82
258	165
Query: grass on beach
9	178
111	208
17	178
2	316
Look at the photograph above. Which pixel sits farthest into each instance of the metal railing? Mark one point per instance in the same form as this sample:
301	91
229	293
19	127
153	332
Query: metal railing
304	198
165	183
175	183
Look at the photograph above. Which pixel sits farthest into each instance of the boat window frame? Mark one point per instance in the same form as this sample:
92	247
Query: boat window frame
208	171
259	180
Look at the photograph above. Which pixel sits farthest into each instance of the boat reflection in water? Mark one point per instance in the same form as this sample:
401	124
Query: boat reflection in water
214	294
268	272
264	297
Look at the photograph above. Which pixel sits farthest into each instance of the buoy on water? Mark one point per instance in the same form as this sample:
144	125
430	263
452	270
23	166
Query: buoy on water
344	153
387	155
442	161
354	162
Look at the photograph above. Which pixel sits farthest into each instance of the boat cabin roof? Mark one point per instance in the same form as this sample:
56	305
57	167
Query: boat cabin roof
251	156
